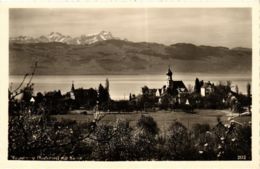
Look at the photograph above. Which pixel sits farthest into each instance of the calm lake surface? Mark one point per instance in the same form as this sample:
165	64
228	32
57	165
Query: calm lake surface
122	85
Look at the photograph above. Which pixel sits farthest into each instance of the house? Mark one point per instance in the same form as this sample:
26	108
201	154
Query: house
206	89
86	98
149	92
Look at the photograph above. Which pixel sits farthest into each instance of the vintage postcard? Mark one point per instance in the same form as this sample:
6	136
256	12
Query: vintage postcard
139	85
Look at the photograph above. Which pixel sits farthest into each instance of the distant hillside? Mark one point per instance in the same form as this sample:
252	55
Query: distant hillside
125	57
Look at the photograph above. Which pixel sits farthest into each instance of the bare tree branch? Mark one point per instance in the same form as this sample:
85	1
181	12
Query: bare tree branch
20	84
35	66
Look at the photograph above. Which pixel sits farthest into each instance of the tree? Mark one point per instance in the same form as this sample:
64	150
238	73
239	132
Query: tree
130	97
229	83
145	139
27	93
237	90
107	87
197	86
145	90
178	142
248	89
147	124
103	97
114	143
39	97
249	98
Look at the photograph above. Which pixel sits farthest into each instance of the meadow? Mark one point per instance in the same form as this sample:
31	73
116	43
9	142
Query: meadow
163	118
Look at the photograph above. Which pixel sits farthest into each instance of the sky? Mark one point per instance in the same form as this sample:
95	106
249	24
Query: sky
229	27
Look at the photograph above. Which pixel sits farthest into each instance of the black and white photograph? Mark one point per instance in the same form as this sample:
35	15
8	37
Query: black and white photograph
130	84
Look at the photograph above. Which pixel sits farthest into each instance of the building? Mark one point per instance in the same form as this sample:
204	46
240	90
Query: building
206	89
149	92
86	98
174	87
174	92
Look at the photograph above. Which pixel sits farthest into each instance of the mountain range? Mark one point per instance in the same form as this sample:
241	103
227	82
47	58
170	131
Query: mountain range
58	37
101	53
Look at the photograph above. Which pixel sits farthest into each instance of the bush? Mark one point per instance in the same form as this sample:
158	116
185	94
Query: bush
148	124
198	129
145	138
179	143
43	138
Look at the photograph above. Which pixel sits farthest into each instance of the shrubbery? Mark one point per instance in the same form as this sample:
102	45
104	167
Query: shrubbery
41	138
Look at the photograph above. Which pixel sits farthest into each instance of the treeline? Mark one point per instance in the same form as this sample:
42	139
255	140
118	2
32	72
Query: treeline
45	138
90	99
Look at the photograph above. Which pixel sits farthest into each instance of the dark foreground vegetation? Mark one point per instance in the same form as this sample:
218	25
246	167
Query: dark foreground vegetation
45	138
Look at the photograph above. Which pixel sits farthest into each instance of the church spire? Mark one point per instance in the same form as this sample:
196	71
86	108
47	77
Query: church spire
169	73
72	86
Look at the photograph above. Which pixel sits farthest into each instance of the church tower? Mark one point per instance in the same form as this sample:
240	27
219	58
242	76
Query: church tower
72	94
72	86
170	81
169	74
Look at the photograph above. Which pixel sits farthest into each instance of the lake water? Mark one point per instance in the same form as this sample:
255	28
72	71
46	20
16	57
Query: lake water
122	85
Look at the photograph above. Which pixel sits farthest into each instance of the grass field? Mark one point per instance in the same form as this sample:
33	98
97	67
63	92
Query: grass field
163	118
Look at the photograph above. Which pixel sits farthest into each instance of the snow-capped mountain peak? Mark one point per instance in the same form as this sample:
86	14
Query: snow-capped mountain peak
55	34
58	37
106	35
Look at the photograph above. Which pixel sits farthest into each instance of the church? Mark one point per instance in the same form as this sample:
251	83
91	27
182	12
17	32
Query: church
174	87
174	92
